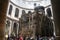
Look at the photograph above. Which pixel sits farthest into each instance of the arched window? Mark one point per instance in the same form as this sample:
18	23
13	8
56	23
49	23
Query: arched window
35	4
16	12
23	12
10	10
7	24
15	28
49	12
29	12
15	25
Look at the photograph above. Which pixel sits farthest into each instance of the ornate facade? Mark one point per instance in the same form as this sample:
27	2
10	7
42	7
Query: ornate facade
24	17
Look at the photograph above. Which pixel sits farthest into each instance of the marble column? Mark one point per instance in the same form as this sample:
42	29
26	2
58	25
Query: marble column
56	16
3	10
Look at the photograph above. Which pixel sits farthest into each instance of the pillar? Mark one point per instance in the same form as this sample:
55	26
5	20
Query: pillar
56	16
3	8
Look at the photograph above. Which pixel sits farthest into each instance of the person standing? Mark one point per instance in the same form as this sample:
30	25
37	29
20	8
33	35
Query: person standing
21	37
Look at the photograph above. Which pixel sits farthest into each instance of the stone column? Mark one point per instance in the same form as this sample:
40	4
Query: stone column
3	9
56	16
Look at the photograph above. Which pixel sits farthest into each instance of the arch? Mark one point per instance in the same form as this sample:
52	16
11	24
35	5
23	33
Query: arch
49	12
10	9
23	12
8	23
15	28
15	25
16	12
29	11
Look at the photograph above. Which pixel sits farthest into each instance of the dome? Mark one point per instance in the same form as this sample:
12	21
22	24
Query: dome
33	0
30	3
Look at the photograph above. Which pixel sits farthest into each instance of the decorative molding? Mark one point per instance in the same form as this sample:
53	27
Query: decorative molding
12	19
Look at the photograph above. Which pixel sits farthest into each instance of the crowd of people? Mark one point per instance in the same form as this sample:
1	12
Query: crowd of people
28	37
20	37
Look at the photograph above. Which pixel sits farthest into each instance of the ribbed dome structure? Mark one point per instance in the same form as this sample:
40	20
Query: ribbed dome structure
30	3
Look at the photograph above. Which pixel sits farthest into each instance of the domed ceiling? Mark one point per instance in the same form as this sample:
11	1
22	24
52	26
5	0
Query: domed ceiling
30	3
